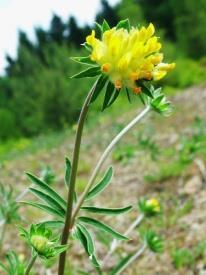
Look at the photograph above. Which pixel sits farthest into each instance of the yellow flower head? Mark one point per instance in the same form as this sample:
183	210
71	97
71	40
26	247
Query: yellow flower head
129	55
154	204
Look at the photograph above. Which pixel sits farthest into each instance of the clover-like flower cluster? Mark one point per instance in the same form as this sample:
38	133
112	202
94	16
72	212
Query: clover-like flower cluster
149	207
127	55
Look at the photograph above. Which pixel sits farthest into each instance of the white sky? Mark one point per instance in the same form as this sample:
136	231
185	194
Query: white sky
27	14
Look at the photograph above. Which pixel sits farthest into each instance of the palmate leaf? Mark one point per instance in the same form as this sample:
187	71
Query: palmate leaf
101	185
90	72
49	200
48	190
103	227
99	86
106	211
45	208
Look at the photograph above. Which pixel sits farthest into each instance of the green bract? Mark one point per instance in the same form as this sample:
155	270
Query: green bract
153	242
42	242
157	100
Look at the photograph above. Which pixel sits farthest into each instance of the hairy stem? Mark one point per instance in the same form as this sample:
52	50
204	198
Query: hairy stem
132	259
31	263
104	156
115	243
72	181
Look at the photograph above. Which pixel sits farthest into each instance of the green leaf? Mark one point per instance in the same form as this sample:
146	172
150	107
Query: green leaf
87	47
125	24
105	26
67	176
67	172
101	185
45	208
89	242
145	89
128	96
90	72
102	226
85	238
106	211
48	190
121	264
51	202
53	224
84	60
3	267
99	86
98	27
116	94
109	93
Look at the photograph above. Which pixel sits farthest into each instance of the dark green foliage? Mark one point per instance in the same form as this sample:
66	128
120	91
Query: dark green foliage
36	95
107	13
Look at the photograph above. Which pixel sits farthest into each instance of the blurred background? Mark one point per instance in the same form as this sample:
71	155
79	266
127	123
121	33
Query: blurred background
163	158
36	94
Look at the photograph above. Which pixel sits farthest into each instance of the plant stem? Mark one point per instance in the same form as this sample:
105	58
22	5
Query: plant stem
116	243
31	263
104	156
3	231
72	180
132	259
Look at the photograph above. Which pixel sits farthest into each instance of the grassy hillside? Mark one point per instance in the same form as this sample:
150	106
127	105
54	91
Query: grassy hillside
162	158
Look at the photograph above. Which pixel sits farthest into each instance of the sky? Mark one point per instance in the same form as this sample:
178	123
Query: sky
27	14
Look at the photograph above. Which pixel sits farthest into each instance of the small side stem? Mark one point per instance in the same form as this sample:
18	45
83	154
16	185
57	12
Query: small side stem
132	259
3	231
30	265
115	244
68	224
104	156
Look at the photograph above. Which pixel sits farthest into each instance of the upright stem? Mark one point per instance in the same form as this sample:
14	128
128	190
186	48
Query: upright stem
68	224
31	263
104	156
